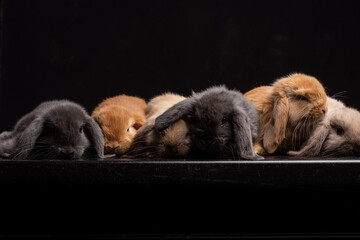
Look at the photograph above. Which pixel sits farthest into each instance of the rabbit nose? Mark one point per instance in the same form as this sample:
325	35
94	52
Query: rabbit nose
169	150
120	150
109	149
67	151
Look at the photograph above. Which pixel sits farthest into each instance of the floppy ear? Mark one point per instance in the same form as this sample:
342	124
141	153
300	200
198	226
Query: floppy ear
27	139
275	128
95	136
314	144
139	121
176	112
243	138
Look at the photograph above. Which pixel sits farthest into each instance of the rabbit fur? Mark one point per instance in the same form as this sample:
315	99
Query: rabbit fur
119	118
288	110
172	143
338	134
58	129
222	123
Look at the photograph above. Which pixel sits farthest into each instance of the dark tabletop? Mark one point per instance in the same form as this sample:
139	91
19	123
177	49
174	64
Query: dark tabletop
122	198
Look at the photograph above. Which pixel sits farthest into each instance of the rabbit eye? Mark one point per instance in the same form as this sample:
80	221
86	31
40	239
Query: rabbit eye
127	130
302	98
224	120
49	128
339	131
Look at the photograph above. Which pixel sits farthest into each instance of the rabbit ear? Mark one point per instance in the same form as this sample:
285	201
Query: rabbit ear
139	121
314	144
274	131
176	112
243	138
27	139
95	136
97	117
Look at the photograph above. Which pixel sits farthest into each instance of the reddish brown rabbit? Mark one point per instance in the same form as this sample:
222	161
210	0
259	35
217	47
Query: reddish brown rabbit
119	118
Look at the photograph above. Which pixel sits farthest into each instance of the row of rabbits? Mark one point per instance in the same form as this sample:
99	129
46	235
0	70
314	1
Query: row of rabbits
292	116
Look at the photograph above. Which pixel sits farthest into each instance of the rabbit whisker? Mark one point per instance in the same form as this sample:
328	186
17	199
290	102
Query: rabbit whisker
339	94
229	151
140	148
301	132
29	150
18	152
142	151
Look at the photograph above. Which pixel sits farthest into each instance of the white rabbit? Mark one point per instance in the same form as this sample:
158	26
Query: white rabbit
338	134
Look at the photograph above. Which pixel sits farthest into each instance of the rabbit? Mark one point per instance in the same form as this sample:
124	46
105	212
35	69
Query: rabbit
159	104
289	110
58	129
174	142
119	118
338	134
222	123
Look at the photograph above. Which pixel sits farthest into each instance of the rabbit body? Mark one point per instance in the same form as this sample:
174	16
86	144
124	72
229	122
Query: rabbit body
222	123
288	110
338	134
120	117
171	143
58	129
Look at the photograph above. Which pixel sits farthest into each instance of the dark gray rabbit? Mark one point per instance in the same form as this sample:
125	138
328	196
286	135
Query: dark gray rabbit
58	129
222	123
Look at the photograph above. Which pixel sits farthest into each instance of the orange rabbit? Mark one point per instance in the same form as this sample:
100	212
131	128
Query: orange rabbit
289	110
120	117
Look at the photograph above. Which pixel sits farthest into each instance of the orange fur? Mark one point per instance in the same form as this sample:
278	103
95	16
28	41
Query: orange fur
288	111
120	117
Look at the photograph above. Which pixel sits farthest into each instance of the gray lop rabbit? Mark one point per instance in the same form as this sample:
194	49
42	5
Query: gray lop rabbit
222	123
58	129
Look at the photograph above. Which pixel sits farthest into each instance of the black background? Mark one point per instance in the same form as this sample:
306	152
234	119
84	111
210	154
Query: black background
88	50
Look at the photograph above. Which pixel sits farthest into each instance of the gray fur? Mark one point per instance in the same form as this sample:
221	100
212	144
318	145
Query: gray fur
58	129
204	113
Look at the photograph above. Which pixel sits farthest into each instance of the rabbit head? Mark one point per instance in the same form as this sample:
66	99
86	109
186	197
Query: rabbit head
337	135
174	142
211	123
58	129
221	123
305	95
289	109
64	133
119	126
159	104
344	133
